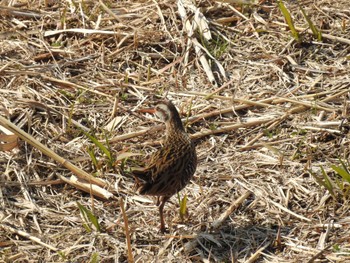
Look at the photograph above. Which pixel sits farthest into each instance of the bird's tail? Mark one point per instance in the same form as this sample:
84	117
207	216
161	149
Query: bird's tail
140	173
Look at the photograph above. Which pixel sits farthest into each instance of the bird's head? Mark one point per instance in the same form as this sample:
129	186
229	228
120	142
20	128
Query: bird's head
166	112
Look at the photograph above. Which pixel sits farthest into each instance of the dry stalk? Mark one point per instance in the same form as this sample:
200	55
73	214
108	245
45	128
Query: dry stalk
325	35
127	233
234	205
77	171
26	235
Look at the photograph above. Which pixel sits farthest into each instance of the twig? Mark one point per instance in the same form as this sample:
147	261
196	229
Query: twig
11	11
109	11
39	105
328	36
221	88
87	187
197	118
26	235
134	134
163	249
294	110
127	233
309	105
257	145
311	128
254	257
172	64
230	109
317	255
218	222
230	128
261	134
57	81
160	14
290	212
31	140
84	31
234	205
39	183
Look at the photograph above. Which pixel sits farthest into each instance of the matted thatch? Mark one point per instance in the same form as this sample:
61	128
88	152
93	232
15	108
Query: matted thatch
263	109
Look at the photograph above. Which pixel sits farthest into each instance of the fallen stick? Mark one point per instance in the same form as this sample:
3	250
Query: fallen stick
41	147
234	205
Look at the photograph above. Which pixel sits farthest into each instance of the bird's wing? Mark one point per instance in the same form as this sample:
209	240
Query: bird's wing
168	171
142	173
168	161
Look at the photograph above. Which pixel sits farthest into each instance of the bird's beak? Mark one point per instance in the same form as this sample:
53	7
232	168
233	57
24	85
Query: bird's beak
148	110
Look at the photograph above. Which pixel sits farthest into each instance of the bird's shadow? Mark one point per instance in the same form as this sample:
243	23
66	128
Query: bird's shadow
233	243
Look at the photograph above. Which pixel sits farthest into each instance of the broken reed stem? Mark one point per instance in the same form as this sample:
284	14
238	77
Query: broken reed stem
50	153
234	205
220	88
319	254
261	134
257	145
218	222
247	104
26	235
297	109
34	183
127	233
290	212
87	187
191	120
324	35
255	256
229	128
134	134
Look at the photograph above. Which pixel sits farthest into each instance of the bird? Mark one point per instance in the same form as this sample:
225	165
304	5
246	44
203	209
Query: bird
172	167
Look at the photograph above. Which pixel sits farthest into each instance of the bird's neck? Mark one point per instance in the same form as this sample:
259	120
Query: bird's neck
173	127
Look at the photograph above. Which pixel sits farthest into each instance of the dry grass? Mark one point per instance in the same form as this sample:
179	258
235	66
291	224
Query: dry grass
281	111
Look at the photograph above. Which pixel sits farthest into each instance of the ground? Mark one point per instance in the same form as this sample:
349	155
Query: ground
268	112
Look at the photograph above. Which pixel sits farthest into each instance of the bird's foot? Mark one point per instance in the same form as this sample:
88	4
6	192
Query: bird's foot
163	229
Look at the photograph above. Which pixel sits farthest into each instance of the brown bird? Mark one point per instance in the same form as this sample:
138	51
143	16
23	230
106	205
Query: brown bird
170	168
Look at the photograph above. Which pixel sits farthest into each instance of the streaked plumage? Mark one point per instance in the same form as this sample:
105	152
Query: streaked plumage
170	168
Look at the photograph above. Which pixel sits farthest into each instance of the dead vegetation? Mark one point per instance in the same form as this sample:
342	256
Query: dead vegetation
264	109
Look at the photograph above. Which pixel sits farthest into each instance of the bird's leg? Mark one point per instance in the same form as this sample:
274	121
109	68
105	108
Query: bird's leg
136	184
161	207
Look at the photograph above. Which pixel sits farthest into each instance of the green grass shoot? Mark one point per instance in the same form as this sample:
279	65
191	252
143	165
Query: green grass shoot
340	184
317	34
324	181
105	150
93	157
183	206
188	113
289	20
342	170
343	183
94	258
89	218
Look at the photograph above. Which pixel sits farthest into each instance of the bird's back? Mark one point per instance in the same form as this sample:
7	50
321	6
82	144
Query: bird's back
170	168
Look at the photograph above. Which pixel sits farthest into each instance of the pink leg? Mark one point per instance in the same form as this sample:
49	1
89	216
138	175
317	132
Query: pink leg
161	207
